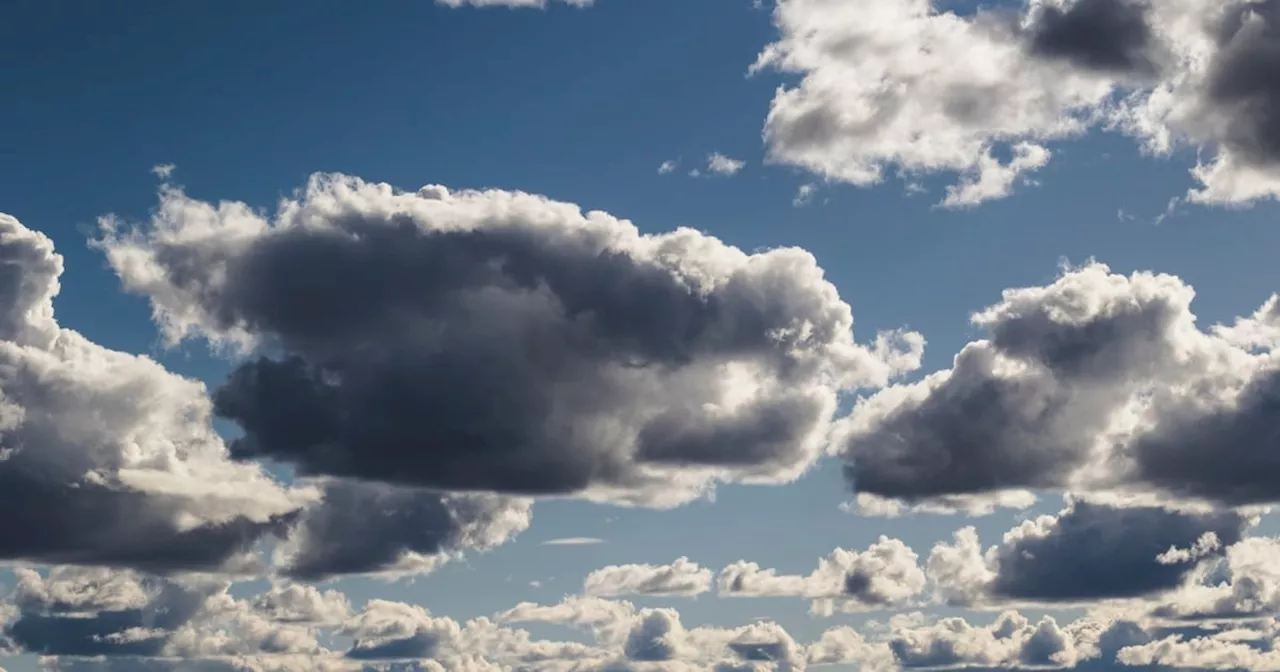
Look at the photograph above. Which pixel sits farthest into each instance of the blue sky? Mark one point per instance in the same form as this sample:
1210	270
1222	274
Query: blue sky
583	105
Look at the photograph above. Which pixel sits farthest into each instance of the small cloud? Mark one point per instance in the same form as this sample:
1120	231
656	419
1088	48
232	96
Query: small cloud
804	195
163	170
1170	209
667	167
1123	215
573	541
722	165
535	584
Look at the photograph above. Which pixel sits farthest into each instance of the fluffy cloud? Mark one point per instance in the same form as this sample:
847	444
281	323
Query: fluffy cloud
905	85
1243	583
109	459
722	165
886	574
1086	552
1096	382
370	528
279	630
682	577
500	341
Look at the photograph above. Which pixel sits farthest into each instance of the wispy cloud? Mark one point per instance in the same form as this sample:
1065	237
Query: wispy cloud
722	165
573	541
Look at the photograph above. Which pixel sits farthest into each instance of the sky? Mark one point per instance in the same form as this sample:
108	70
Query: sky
639	335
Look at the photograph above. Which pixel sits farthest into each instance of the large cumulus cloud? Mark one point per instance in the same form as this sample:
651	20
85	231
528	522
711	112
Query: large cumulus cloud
106	458
1095	382
500	341
920	88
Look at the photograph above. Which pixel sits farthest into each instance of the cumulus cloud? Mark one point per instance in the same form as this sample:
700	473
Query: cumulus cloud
682	577
886	574
137	621
280	630
1243	583
1096	382
1086	552
108	458
500	341
912	87
370	528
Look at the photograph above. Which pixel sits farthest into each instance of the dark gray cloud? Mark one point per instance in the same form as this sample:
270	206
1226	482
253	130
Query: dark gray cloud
1095	382
1226	452
1242	92
1095	551
363	528
1023	408
418	645
106	458
1108	35
502	342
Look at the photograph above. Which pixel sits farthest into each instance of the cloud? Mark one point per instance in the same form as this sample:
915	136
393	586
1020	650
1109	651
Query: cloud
370	528
499	341
804	195
667	167
108	458
886	574
225	633
722	165
1085	553
681	577
1244	582
909	87
1097	382
573	541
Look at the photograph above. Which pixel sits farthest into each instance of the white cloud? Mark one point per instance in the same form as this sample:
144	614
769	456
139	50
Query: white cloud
722	165
886	574
681	577
573	541
667	167
906	85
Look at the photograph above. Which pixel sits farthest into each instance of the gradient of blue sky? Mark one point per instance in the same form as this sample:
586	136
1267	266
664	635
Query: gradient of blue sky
248	98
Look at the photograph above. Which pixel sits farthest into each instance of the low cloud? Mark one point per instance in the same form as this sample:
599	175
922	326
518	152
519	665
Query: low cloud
1097	382
502	342
682	577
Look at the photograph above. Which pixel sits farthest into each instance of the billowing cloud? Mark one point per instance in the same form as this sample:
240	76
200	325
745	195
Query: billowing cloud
908	86
500	341
681	577
1085	553
370	528
1243	583
886	574
106	458
1095	382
